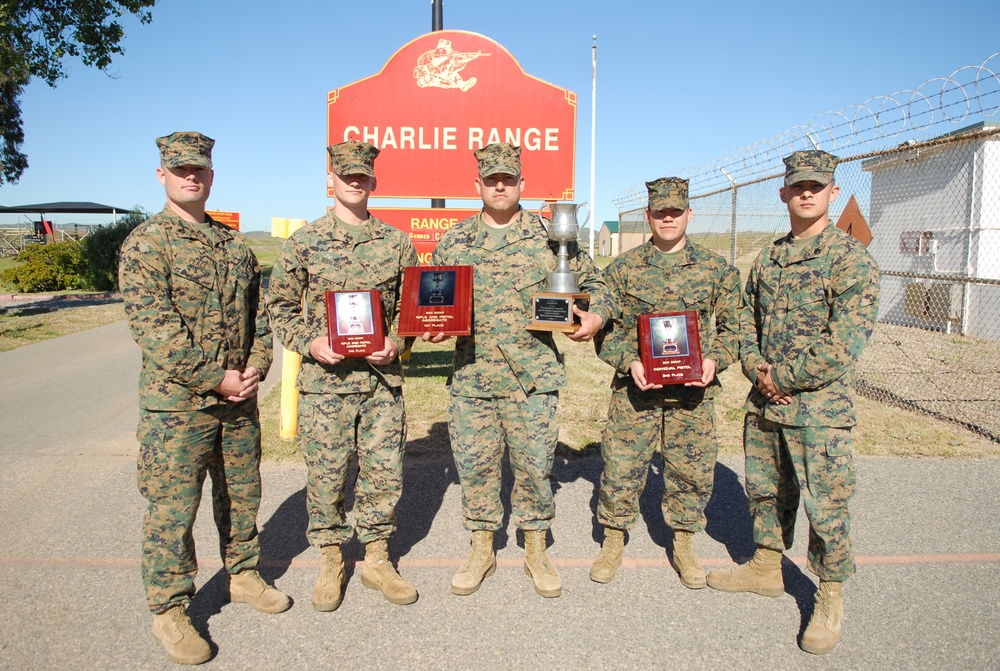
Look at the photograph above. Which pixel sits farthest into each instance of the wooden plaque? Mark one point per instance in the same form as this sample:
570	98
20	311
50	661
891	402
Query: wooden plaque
551	311
354	322
436	299
670	347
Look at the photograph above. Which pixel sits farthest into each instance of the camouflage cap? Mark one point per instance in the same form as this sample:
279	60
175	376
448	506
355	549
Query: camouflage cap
353	158
185	148
497	158
810	166
668	193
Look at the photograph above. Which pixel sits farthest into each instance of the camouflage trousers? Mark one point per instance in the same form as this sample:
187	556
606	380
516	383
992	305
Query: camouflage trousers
479	429
176	450
784	463
333	429
639	423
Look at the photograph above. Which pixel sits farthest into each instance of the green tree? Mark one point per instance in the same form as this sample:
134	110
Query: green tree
37	37
53	267
102	249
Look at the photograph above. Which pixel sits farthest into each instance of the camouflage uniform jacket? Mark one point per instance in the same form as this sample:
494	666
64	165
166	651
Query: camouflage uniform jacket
644	282
502	357
195	307
324	257
809	313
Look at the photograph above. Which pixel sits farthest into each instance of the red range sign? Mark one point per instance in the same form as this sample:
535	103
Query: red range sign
444	95
424	226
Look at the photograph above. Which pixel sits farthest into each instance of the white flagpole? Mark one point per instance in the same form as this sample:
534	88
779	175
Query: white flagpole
593	148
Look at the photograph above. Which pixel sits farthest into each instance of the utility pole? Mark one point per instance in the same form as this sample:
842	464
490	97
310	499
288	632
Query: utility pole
437	23
593	148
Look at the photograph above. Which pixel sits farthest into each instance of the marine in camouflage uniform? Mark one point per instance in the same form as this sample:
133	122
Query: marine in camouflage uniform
192	290
505	379
809	307
667	274
348	406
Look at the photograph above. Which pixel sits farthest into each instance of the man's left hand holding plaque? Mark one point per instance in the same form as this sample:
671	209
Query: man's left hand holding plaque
354	322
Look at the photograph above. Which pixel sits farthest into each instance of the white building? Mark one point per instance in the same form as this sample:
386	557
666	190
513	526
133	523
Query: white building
935	215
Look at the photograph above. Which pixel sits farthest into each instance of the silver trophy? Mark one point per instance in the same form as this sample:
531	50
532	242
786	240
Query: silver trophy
552	309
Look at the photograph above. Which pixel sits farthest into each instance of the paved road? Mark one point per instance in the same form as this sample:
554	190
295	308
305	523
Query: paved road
925	595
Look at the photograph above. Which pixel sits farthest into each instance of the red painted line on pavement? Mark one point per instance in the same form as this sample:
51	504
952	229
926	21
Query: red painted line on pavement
447	562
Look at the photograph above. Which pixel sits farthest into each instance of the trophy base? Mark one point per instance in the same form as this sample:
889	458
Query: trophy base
551	311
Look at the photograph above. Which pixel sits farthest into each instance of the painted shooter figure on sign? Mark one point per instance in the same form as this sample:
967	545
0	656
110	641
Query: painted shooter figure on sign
668	274
809	308
192	290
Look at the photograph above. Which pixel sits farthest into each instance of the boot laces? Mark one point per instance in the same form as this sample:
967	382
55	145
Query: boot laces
253	579
824	600
610	549
377	551
182	622
330	570
535	542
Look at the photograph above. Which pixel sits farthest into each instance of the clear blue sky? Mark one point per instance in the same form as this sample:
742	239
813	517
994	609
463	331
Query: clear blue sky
678	85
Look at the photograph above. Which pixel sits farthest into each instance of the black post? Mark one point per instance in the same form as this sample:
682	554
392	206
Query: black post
437	23
437	15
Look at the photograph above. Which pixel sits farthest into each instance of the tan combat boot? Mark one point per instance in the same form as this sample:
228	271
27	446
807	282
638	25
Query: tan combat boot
482	563
685	563
762	575
174	631
328	592
823	632
248	587
377	572
603	568
537	565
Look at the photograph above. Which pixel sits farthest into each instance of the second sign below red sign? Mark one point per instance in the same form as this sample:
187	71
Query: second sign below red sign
424	226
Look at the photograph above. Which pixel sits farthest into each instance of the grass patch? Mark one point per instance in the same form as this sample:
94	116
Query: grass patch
273	447
603	262
265	248
583	408
266	257
36	324
5	263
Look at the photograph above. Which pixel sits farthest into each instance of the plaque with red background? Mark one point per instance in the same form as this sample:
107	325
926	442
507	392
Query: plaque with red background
670	347
354	322
436	299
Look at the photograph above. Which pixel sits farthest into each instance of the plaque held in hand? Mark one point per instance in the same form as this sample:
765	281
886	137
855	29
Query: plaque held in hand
436	299
354	322
670	347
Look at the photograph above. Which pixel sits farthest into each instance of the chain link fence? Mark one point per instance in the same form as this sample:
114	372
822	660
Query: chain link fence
933	209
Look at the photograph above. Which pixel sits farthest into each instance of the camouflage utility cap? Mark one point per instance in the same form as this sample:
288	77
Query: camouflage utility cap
353	158
667	193
497	158
185	148
810	166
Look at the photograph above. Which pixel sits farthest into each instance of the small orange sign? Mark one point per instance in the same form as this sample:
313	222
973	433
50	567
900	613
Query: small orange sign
424	226
230	219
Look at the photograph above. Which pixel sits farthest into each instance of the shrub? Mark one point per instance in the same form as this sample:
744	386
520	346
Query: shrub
54	267
102	250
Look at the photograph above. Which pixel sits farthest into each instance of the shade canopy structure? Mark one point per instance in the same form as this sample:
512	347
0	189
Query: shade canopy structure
64	207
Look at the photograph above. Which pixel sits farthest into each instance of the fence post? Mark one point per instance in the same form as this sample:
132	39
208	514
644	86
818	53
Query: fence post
732	225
